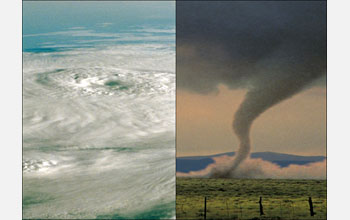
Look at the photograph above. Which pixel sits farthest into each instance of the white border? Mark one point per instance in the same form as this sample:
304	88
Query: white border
11	110
338	109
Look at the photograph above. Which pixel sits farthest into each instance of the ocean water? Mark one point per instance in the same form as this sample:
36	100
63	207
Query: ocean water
99	110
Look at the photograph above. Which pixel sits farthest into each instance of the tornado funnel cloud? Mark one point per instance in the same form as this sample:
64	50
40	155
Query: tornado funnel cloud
258	100
273	50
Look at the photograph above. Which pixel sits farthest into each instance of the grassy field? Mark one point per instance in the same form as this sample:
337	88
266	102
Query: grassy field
238	198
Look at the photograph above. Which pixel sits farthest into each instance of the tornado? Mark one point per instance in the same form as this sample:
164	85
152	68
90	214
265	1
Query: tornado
258	100
272	50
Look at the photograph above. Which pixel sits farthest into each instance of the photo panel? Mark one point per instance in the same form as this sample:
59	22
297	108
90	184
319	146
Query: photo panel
98	110
251	109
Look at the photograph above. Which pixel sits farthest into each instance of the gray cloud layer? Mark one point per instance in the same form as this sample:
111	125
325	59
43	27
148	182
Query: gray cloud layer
249	44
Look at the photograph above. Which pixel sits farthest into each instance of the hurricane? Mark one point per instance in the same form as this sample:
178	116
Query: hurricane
99	123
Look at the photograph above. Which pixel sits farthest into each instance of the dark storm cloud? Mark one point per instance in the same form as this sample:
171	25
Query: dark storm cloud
274	49
244	44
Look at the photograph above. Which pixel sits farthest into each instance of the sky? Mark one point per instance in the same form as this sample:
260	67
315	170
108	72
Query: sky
269	55
295	126
57	15
66	23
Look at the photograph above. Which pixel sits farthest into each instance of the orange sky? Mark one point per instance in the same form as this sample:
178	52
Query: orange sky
296	125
